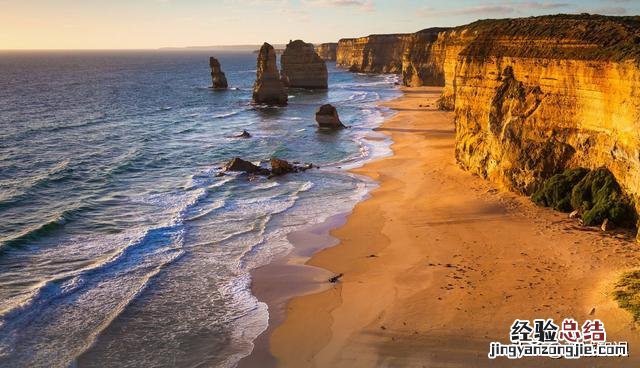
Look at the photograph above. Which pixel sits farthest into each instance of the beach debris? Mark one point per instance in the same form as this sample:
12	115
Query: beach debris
327	117
335	278
574	214
606	225
217	76
244	134
238	164
268	88
593	311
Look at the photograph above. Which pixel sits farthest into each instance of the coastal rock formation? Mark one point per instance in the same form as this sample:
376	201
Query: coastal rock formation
281	167
373	54
268	88
217	76
302	67
327	117
238	164
327	51
534	96
423	59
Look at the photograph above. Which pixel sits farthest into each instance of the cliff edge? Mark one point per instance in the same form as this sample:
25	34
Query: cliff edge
534	96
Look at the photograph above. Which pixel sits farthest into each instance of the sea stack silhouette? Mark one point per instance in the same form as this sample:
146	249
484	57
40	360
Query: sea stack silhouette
268	88
217	76
302	67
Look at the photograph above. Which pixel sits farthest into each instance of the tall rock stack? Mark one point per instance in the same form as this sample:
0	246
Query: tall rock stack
268	88
217	76
302	67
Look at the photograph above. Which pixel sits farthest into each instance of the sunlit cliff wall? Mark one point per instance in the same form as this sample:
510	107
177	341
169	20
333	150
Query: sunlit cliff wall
533	96
373	54
327	51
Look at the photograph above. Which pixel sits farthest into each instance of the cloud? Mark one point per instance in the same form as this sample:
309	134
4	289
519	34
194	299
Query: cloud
496	9
607	10
546	5
480	9
366	5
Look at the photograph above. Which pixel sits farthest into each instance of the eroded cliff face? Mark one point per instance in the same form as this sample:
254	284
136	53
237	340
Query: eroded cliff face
534	96
373	54
327	51
423	59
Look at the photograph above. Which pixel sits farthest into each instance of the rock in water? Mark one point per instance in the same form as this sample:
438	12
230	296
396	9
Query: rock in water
268	88
302	67
244	134
281	167
238	164
327	117
217	76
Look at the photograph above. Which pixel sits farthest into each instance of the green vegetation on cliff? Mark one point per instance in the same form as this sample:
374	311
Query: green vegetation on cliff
595	194
627	293
556	191
561	36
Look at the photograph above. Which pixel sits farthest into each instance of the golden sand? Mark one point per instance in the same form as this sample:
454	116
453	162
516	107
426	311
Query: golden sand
438	263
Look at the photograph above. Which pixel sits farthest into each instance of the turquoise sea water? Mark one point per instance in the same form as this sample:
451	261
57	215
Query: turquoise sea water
118	244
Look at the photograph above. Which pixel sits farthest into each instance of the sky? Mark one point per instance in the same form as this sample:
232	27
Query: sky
149	24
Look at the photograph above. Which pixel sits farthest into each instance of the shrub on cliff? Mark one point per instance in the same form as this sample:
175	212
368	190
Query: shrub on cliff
598	196
627	293
556	191
595	194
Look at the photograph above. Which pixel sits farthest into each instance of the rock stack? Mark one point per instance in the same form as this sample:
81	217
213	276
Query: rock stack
302	67
327	117
217	76
268	88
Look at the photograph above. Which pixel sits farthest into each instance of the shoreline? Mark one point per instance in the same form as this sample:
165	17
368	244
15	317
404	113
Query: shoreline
438	263
287	277
290	275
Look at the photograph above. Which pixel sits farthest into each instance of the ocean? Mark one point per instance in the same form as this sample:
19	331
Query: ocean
119	245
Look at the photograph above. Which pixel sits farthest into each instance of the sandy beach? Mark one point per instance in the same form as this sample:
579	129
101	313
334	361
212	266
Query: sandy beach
438	263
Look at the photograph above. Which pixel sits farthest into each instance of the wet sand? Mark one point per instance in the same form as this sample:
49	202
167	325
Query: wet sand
438	263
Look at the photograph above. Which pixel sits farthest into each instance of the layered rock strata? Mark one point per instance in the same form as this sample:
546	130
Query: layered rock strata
533	96
423	59
327	51
302	67
268	88
373	54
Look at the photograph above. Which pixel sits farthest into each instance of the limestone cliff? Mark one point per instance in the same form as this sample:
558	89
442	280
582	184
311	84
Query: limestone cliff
302	67
423	59
533	96
373	54
327	51
268	88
